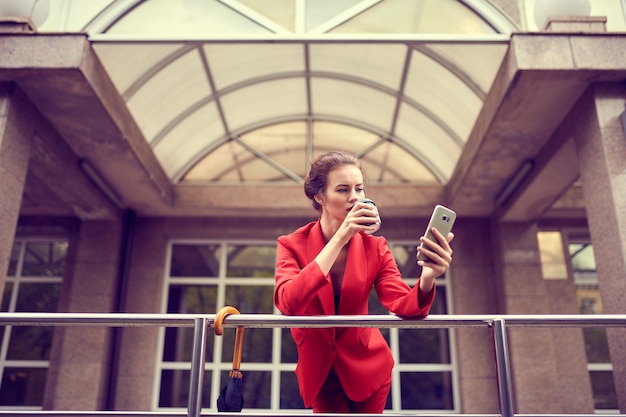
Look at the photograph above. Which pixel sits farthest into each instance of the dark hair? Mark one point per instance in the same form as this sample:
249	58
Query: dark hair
316	180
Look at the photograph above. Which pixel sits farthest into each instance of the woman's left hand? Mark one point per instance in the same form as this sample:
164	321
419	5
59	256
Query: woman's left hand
439	255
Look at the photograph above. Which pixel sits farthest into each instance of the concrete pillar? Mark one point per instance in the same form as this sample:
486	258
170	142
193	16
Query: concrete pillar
80	363
535	353
472	288
602	157
16	136
144	294
573	385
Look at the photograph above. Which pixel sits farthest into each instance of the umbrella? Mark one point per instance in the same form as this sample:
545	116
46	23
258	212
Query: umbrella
231	396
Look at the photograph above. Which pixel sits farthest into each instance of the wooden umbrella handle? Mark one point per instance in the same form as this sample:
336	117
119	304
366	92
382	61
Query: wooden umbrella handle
238	349
219	330
220	316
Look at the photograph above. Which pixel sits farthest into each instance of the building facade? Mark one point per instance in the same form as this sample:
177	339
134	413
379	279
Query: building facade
151	152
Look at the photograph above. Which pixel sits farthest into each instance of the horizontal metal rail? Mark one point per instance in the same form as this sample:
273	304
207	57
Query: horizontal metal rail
245	414
254	414
277	320
202	322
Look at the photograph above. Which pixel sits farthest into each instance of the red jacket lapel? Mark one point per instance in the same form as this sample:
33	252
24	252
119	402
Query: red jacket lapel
315	244
355	278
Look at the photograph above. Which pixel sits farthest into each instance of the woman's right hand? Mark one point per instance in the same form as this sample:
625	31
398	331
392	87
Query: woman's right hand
362	217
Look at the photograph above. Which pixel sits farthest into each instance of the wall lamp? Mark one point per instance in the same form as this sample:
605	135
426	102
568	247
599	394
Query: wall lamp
100	183
509	189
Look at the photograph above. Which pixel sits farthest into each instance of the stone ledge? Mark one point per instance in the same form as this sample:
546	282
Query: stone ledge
16	25
574	24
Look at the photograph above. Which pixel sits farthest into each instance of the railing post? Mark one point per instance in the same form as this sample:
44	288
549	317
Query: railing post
503	369
197	367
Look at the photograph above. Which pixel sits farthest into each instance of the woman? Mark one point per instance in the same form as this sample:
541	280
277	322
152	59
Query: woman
329	267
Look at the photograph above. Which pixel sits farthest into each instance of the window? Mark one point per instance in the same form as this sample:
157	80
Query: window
205	276
33	284
424	375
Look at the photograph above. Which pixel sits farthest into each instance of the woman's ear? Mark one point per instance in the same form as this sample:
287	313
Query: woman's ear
319	200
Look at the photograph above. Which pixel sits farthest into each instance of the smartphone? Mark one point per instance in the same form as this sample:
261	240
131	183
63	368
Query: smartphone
442	219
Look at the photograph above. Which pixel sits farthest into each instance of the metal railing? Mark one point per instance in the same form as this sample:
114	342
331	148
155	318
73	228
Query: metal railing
498	324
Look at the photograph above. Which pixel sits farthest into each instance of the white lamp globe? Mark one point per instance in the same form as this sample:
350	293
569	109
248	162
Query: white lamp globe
35	10
546	8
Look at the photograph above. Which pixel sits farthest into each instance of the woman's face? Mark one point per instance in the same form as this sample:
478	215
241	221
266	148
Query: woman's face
344	187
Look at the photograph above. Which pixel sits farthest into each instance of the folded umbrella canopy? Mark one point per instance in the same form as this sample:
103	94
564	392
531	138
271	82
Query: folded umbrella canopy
231	395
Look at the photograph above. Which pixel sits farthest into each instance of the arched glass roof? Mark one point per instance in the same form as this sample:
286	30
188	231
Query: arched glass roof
248	91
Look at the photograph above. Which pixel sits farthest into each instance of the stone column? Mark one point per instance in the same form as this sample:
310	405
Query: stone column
80	363
140	346
473	292
602	157
16	136
536	372
573	385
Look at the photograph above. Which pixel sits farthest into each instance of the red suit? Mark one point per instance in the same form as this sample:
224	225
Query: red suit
361	357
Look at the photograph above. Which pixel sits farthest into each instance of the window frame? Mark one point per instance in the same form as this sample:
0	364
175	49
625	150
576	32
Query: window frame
16	280
276	367
582	236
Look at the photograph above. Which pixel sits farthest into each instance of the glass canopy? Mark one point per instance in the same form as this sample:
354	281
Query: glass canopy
251	90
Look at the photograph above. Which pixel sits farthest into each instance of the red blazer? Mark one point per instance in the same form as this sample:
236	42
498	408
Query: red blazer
360	356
